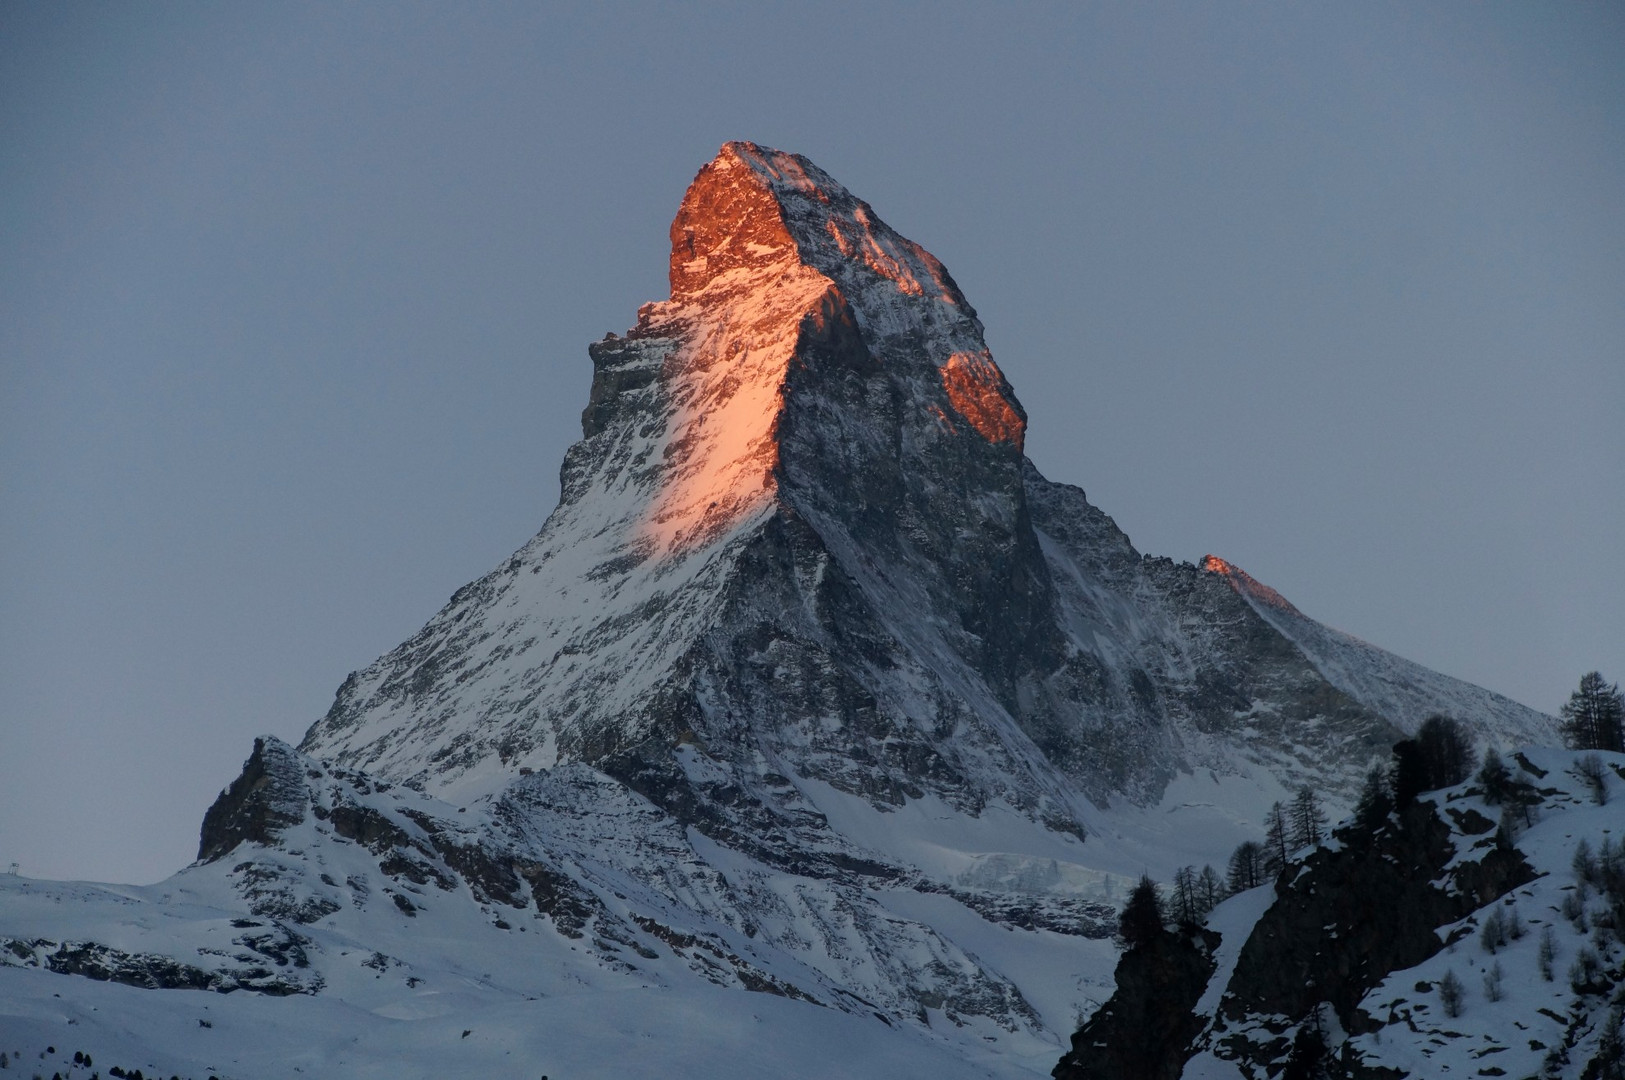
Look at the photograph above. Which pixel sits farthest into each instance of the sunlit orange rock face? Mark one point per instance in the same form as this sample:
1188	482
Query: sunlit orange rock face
739	293
976	388
727	224
763	254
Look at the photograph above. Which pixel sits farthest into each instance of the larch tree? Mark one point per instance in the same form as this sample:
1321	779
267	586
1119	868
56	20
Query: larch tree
1308	819
1410	773
1186	904
1447	751
1375	800
1246	870
1594	715
1209	889
1277	845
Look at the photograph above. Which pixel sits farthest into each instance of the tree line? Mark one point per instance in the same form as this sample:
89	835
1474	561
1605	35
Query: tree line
1439	756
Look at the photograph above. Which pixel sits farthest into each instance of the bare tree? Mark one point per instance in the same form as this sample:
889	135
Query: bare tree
1594	715
1187	909
1593	772
1247	870
1451	994
1276	845
1308	819
1209	889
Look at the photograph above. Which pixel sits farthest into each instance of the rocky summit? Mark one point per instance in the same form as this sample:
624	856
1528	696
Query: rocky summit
811	685
799	534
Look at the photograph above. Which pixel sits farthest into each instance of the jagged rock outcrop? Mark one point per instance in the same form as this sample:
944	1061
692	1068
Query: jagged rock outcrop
267	797
1143	1031
1386	894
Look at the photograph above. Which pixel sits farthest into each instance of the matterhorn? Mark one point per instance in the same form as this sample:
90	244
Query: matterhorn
816	730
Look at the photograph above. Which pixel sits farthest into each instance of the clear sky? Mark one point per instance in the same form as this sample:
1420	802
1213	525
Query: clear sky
294	304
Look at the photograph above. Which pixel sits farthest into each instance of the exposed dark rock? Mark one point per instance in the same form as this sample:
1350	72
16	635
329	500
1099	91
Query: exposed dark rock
368	827
1344	918
1060	914
559	898
268	796
155	972
1144	1032
1377	894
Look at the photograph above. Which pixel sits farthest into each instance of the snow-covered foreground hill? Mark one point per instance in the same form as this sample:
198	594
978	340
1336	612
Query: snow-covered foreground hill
356	926
1437	944
586	1034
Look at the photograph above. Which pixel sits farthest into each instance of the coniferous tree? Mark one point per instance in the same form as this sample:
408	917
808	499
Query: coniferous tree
1308	819
1142	916
1594	715
1493	934
1451	993
1584	863
1495	778
1375	801
1410	773
1247	869
1310	1057
1186	908
1209	889
1277	847
1547	953
1447	751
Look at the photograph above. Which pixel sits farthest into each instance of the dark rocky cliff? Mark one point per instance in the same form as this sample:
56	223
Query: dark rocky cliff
1143	1032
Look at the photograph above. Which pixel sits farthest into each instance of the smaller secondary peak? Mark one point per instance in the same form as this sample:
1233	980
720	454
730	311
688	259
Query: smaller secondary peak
1245	584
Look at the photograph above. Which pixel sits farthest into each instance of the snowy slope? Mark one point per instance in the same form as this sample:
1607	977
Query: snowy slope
320	883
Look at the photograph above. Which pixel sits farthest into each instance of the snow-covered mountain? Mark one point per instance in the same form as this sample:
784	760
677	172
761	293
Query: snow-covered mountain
811	685
799	533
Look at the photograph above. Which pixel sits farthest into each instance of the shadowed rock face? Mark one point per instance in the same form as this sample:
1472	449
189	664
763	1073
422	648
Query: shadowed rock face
1144	1030
267	797
800	535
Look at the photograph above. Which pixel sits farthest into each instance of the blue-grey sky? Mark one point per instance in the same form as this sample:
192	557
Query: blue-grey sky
294	303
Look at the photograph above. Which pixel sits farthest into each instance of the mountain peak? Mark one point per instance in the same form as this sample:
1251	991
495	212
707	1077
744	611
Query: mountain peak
1247	585
776	267
799	531
752	206
730	220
